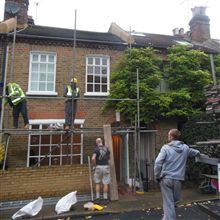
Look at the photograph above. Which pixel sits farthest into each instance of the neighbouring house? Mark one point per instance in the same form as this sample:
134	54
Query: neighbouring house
46	162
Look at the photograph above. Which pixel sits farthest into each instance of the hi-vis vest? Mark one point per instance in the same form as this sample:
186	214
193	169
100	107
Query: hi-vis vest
69	91
15	93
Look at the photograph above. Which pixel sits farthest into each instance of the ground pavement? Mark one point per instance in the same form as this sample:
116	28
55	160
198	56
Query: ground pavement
151	200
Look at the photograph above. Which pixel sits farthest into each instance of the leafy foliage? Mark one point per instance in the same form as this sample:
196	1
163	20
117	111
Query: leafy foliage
217	66
192	132
185	74
200	127
124	84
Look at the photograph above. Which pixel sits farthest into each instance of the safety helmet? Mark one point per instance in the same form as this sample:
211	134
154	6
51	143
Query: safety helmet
73	80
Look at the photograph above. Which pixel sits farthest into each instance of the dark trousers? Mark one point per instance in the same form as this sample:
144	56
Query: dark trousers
17	109
70	112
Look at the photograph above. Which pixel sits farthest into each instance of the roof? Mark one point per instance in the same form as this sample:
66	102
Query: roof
157	41
54	33
165	41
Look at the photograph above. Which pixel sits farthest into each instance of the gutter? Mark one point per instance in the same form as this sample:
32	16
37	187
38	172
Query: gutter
69	39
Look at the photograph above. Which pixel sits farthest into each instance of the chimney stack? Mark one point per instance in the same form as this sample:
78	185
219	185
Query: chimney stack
17	8
175	31
199	25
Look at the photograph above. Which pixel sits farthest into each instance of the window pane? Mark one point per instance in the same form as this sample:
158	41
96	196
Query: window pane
97	70
42	67
34	76
50	77
42	86
104	88
34	67
104	80
97	61
43	58
51	59
49	86
35	127
90	69
35	57
97	79
34	139
104	61
90	78
34	86
50	68
42	76
104	70
90	60
97	88
89	88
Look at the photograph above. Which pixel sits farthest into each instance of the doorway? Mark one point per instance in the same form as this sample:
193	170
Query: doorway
117	142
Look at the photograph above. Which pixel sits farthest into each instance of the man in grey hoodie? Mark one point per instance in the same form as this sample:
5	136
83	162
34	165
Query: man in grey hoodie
169	171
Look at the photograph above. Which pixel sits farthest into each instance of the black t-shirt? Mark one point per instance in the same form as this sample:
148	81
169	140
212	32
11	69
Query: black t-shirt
102	155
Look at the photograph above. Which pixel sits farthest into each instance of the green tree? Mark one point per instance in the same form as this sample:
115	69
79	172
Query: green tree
124	85
186	78
186	73
217	66
199	127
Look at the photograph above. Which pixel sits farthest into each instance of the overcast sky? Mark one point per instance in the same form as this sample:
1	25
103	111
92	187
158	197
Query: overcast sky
150	16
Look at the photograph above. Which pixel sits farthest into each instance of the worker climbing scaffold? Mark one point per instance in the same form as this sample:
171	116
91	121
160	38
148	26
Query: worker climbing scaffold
71	93
16	99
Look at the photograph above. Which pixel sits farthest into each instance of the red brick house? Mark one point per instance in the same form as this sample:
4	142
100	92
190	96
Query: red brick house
43	60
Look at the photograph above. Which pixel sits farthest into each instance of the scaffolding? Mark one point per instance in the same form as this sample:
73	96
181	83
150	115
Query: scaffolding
64	135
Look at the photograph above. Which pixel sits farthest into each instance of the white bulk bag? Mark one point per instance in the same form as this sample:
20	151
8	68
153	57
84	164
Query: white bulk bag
29	210
65	203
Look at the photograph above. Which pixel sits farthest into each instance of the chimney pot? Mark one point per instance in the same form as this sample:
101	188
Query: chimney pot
175	31
181	31
199	25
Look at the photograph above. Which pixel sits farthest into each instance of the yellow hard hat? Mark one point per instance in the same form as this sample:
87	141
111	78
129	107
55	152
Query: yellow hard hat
74	80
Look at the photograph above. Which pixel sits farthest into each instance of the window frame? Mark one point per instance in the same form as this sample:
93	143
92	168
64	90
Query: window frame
50	145
100	56
48	93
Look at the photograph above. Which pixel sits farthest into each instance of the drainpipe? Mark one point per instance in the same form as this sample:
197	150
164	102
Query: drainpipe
4	86
13	51
213	69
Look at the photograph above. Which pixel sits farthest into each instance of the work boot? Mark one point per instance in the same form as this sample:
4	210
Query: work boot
105	202
67	128
26	126
98	201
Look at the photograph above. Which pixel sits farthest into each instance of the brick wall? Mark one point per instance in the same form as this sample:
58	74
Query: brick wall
42	108
57	181
90	110
17	151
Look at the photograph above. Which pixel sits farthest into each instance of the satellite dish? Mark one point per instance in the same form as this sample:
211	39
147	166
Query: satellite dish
12	8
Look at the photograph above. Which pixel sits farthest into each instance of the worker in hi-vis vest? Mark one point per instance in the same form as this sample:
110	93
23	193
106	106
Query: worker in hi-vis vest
70	104
16	99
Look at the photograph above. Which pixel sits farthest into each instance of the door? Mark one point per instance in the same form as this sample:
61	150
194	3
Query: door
116	142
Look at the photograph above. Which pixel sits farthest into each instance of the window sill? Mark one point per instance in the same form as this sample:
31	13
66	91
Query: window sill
96	94
42	93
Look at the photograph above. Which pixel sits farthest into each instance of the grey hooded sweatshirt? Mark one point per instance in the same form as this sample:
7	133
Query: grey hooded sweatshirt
171	161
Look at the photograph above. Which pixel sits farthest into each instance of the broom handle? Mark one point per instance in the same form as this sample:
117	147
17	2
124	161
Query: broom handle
90	178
